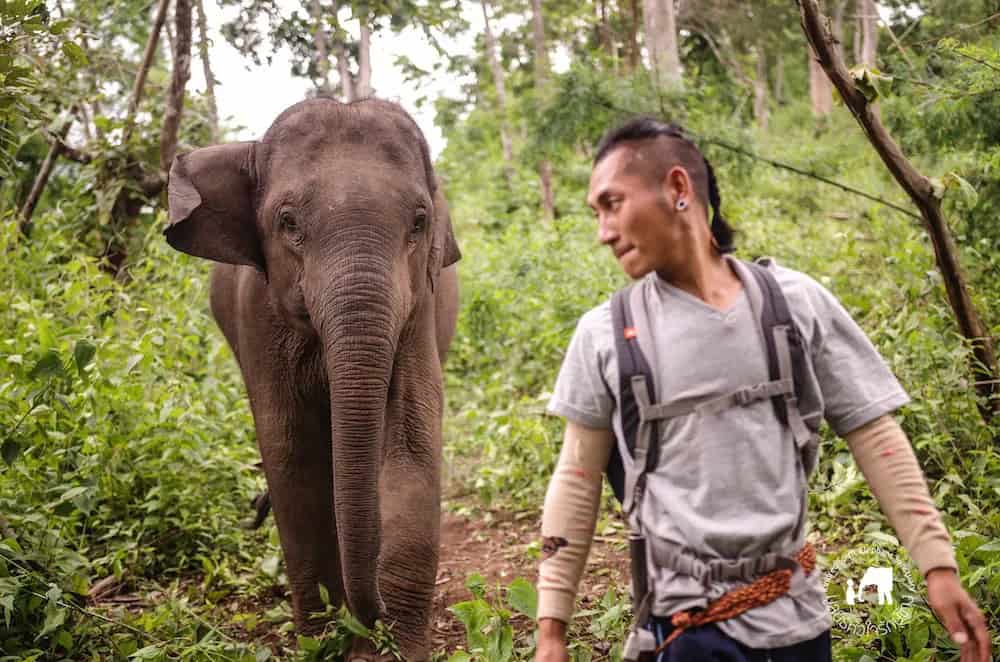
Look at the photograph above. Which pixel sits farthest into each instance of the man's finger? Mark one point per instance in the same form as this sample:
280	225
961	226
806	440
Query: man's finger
956	627
976	622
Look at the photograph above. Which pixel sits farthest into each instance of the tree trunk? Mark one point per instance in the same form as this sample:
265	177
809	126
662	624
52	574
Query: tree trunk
661	40
858	29
541	78
779	79
760	108
869	32
213	109
178	82
363	88
498	84
603	29
820	90
343	65
921	192
42	178
548	197
541	55
838	25
633	36
147	61
321	54
170	35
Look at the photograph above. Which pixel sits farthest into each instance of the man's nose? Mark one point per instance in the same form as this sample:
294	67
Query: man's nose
606	232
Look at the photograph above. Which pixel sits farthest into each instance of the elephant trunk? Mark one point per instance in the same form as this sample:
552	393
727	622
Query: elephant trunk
359	338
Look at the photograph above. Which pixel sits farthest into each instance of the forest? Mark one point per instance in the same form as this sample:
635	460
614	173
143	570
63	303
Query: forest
853	140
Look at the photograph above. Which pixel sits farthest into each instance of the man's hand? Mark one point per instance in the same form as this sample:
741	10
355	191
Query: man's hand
551	641
959	614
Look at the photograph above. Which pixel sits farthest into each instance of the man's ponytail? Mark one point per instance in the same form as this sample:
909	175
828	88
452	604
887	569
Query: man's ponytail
721	231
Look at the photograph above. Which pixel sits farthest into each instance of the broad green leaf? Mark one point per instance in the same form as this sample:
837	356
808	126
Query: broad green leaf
522	597
10	450
917	637
83	352
476	585
74	53
55	616
50	365
353	625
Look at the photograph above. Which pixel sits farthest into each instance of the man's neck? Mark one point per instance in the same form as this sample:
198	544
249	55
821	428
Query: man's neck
707	276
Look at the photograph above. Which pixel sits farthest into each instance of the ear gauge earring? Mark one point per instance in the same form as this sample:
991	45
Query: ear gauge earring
682	204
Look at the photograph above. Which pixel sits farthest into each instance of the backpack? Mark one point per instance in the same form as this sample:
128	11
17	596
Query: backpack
787	361
775	316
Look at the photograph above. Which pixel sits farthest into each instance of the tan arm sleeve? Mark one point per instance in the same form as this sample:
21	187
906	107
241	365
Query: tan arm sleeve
886	459
569	517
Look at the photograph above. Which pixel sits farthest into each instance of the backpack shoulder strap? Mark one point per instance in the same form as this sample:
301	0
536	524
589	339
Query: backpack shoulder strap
786	355
631	363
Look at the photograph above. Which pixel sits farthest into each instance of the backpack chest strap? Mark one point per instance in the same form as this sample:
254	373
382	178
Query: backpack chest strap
741	397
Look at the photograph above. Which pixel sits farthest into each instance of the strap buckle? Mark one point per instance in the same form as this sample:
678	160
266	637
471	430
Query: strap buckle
749	394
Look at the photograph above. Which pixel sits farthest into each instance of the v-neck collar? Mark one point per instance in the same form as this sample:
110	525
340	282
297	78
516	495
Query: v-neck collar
676	292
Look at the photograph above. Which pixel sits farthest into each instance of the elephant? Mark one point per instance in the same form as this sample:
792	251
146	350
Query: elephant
337	292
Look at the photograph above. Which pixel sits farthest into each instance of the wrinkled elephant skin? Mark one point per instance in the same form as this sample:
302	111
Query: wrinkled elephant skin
337	292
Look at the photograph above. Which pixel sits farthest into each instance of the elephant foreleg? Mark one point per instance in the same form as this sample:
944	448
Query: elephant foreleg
411	520
295	448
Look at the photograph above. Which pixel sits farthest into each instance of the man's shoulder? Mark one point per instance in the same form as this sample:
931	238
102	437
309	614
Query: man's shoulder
799	288
597	320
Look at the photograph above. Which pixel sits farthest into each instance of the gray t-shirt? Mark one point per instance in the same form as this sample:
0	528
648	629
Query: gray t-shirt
730	484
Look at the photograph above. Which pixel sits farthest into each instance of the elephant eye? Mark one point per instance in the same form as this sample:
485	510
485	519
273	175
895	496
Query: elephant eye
419	224
288	224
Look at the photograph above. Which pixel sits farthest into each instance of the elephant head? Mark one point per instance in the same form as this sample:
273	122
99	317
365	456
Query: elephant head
338	208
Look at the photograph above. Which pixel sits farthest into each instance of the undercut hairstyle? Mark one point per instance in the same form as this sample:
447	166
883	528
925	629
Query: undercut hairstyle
660	146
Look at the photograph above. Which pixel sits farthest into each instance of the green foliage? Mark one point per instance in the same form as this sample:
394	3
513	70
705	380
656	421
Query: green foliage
124	443
487	621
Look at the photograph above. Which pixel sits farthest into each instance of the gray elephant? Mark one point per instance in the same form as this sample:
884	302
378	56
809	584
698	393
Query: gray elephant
338	296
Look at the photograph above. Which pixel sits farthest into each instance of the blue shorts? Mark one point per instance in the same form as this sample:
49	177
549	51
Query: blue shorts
708	644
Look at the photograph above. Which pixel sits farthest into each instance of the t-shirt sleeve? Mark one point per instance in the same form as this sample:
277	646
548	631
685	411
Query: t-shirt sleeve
857	385
581	394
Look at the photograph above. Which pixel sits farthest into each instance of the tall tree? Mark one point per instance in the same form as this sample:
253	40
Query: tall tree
363	83
761	109
661	41
320	41
541	85
820	89
498	85
206	64
343	65
178	83
920	189
869	32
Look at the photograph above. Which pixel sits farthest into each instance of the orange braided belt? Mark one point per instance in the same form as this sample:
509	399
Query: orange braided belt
765	589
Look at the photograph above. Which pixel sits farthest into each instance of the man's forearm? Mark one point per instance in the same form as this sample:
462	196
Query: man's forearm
886	459
568	519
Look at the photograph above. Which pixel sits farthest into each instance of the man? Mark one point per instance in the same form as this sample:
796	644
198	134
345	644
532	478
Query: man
727	487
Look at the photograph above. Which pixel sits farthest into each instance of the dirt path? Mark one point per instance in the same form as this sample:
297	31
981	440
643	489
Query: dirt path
497	546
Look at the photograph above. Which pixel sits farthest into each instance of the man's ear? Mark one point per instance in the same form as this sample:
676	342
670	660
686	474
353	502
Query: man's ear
444	250
211	195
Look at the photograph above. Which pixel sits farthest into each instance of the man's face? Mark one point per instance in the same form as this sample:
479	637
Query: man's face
634	217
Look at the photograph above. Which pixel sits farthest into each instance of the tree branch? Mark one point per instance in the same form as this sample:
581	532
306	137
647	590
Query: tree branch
42	178
918	187
181	74
147	61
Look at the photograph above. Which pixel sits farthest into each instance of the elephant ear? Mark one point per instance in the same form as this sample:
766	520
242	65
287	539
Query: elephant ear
444	250
211	197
